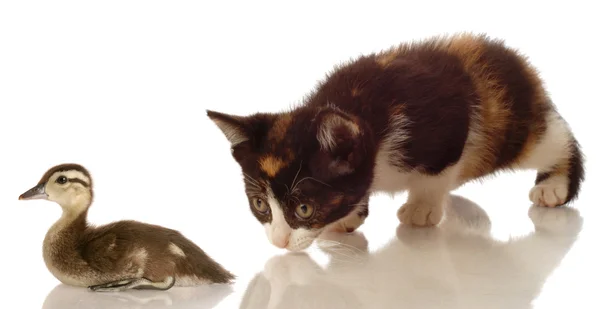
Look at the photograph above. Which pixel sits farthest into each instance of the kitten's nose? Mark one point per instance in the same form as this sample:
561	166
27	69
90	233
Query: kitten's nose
281	242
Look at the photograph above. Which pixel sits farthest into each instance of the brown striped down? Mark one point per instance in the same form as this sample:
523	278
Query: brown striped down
80	254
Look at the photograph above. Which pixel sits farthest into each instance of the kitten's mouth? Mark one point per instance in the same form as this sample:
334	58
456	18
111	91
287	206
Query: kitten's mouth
304	242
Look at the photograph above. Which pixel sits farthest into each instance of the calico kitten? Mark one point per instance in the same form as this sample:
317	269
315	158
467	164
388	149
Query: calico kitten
425	117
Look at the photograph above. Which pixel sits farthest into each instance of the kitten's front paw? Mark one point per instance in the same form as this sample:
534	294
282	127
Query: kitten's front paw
420	214
549	194
348	224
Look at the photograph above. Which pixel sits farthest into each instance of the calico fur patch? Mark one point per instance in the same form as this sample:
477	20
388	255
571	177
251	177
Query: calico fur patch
465	103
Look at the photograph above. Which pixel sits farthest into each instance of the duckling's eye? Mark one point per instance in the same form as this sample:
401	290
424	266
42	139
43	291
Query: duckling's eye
61	180
304	211
260	205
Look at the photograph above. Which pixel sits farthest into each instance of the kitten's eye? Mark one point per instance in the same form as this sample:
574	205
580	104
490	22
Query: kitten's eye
304	211
61	180
260	205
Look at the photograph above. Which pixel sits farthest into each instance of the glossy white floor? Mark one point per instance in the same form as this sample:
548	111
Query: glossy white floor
122	88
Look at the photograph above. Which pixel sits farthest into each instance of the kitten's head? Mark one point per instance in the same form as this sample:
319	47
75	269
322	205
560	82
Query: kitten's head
303	170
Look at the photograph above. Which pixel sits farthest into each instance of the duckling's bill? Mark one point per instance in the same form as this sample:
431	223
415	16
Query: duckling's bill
37	192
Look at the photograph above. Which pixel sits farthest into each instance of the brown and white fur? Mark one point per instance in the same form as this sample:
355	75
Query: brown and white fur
425	117
118	256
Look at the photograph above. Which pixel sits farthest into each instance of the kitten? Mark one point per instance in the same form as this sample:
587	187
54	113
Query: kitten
425	117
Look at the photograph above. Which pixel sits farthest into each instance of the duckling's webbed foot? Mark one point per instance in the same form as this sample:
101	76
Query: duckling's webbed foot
164	285
136	283
113	286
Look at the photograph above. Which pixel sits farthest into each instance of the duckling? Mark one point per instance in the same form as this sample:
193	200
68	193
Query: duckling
118	256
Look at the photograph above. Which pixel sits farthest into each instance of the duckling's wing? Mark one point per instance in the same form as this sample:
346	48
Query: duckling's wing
102	252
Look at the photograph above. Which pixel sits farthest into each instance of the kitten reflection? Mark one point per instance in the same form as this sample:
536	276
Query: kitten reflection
64	297
294	280
455	265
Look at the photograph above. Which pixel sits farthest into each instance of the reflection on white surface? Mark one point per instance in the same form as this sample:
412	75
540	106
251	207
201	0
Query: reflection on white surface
122	87
64	296
456	265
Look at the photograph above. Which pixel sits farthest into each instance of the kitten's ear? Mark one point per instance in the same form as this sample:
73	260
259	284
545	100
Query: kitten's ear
234	127
341	142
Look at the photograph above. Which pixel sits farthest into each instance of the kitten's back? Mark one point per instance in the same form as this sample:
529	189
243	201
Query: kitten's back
429	99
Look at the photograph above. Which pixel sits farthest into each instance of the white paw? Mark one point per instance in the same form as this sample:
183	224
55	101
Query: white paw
348	224
549	194
564	220
420	214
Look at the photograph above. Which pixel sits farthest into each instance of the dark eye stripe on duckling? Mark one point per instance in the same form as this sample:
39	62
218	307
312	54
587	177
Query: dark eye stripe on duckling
77	180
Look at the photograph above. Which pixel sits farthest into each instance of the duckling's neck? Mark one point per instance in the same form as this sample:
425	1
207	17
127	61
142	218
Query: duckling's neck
72	221
62	240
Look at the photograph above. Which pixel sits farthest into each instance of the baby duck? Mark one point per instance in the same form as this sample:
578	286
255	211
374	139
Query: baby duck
118	256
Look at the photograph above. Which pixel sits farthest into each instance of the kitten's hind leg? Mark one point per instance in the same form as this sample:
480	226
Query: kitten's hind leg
559	184
427	195
559	161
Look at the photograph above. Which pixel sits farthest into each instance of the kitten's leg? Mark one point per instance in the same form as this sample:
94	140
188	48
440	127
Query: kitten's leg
559	184
426	197
559	162
352	221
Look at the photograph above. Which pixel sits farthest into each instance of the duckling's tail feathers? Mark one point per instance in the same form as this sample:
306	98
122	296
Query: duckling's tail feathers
196	263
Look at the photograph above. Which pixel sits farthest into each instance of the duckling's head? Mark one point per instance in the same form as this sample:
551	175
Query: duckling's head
69	185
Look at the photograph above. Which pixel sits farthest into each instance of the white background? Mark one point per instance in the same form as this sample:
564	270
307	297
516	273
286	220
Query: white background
122	88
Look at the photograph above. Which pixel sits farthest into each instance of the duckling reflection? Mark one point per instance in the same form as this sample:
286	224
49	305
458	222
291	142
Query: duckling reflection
455	265
64	296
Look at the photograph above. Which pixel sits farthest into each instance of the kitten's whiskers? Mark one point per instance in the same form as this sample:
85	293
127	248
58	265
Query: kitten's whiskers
296	177
252	181
312	178
342	252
